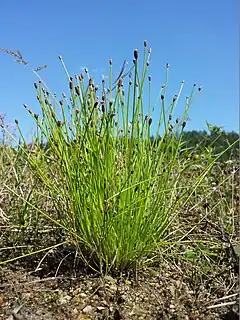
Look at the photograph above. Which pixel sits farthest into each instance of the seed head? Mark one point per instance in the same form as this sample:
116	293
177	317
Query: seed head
63	95
86	70
59	123
184	124
199	89
120	83
70	85
150	121
175	98
162	97
170	117
135	54
16	121
110	62
145	43
60	58
36	116
147	63
61	102
91	82
35	85
77	90
167	65
149	78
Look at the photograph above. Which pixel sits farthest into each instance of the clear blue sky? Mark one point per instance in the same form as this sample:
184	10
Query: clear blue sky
199	39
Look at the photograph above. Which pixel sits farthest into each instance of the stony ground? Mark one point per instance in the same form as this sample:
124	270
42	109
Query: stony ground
162	292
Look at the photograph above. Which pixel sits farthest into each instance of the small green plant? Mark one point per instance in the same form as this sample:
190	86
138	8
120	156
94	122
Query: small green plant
116	189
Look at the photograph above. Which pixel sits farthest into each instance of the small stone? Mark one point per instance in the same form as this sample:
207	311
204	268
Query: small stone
87	309
65	299
101	308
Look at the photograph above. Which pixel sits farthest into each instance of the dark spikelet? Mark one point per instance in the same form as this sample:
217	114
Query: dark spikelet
35	85
177	120
150	121
135	54
110	62
36	116
40	68
60	58
149	78
147	63
95	104
120	83
77	90
145	43
16	121
91	82
77	111
199	89
61	102
162	97
64	95
25	106
170	117
167	65
175	98
70	85
59	123
184	124
103	106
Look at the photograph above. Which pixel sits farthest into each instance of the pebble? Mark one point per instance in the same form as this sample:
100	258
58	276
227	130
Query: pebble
87	309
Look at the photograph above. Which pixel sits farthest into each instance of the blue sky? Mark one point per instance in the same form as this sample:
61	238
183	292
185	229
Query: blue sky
199	39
